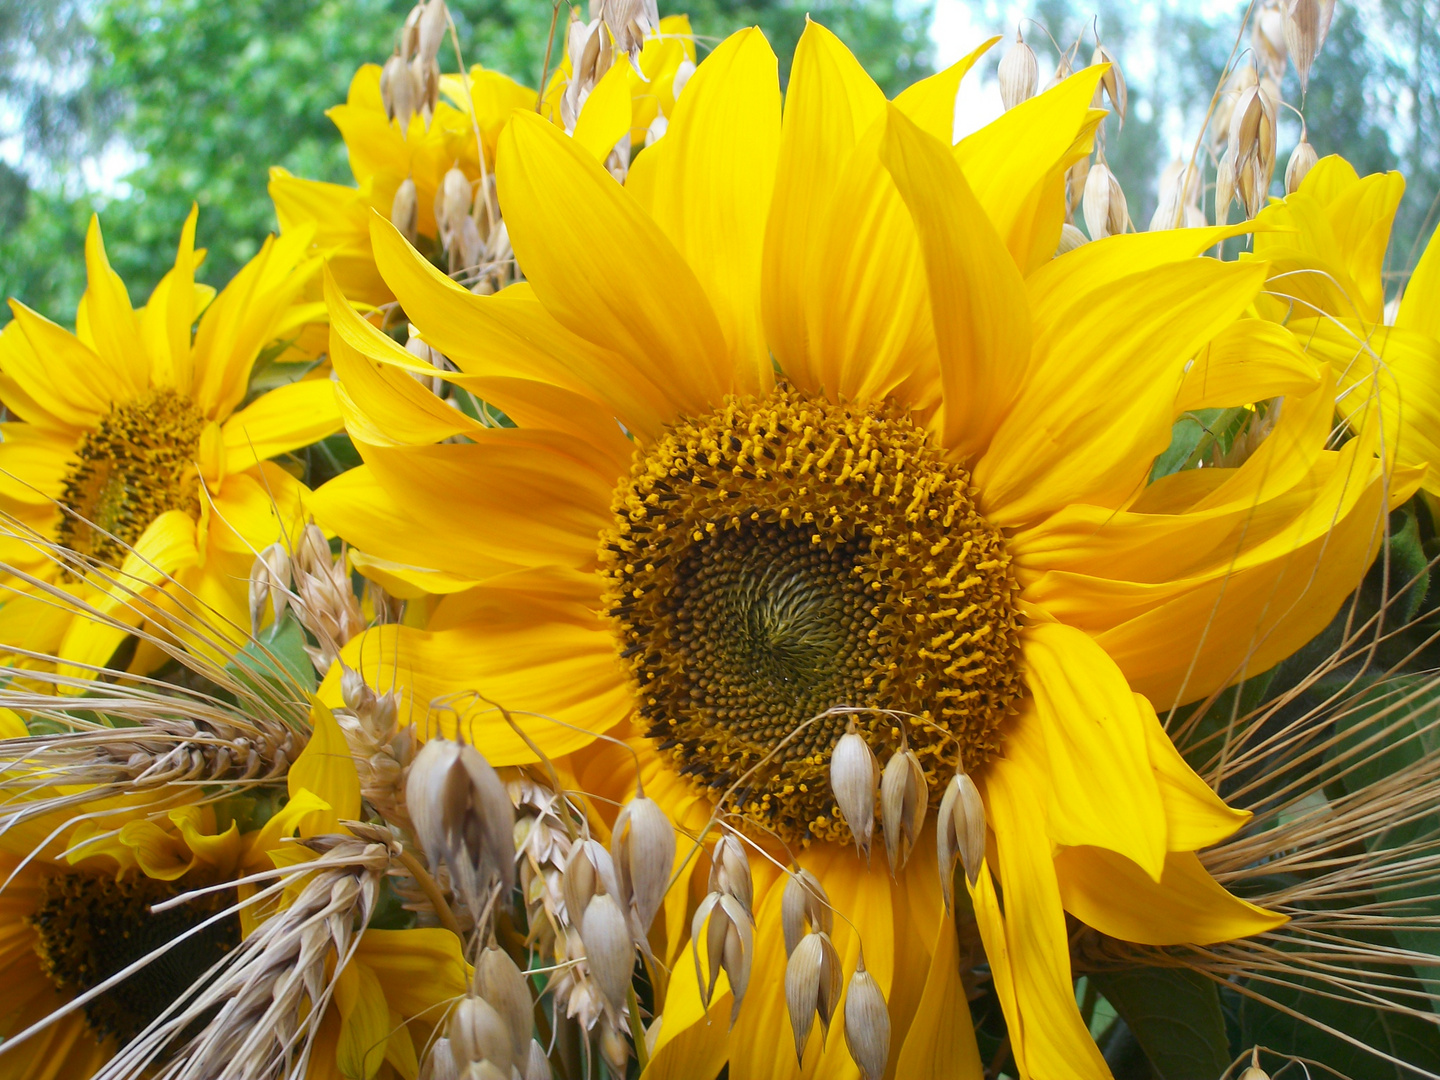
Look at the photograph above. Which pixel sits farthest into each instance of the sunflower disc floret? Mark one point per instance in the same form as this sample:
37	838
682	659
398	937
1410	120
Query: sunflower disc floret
783	556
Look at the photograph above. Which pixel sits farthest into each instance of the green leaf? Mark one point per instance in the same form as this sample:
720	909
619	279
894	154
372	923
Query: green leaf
1411	1039
1175	1016
276	661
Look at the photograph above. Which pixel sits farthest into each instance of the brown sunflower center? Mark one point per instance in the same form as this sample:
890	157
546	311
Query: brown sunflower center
91	926
137	463
785	556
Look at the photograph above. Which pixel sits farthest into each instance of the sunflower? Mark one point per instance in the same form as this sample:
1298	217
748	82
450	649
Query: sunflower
134	462
1326	247
808	415
382	156
75	911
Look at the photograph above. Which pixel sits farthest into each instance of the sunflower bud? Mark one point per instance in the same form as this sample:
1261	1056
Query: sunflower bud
269	580
804	903
609	949
1019	73
903	796
1302	160
730	871
478	1033
729	945
643	849
463	817
867	1023
1112	84
500	982
852	781
960	832
1104	203
812	986
537	1065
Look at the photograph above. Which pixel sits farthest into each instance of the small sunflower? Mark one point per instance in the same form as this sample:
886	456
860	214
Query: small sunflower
1326	247
134	463
810	421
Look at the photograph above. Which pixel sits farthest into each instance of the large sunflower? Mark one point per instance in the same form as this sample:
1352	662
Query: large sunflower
1326	247
130	466
808	416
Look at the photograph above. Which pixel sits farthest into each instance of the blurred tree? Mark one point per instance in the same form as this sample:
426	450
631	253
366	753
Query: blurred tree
207	96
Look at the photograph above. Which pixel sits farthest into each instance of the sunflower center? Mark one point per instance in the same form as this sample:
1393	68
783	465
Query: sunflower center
89	927
137	463
782	557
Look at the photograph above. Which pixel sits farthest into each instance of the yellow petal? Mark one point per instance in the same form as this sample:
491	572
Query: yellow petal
111	320
602	268
1011	165
941	1039
930	103
326	769
1361	216
159	853
713	184
1098	402
421	970
1048	1036
340	218
170	313
57	373
280	420
977	299
1100	789
829	103
1420	306
365	1022
605	117
693	1041
1195	816
511	335
1249	361
1186	907
539	659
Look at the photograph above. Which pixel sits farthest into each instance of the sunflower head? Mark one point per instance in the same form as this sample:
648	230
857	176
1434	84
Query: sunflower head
781	554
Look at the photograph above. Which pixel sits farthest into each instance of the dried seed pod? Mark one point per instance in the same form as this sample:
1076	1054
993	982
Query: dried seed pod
1019	73
1070	239
614	1050
441	1064
405	210
537	1065
1224	188
960	832
463	817
867	1023
1305	25
1245	124
434	18
588	870
643	849
1075	178
1253	1071
269	580
1302	159
904	793
500	982
397	91
1112	84
1104	204
1267	37
853	773
609	948
477	1032
812	986
804	903
452	204
1252	182
730	871
729	944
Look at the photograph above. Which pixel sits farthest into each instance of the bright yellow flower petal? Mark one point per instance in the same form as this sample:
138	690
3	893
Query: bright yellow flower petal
170	313
111	320
1195	817
930	103
712	189
326	769
977	299
364	1022
71	386
602	268
941	1040
1420	307
284	419
1186	907
605	117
